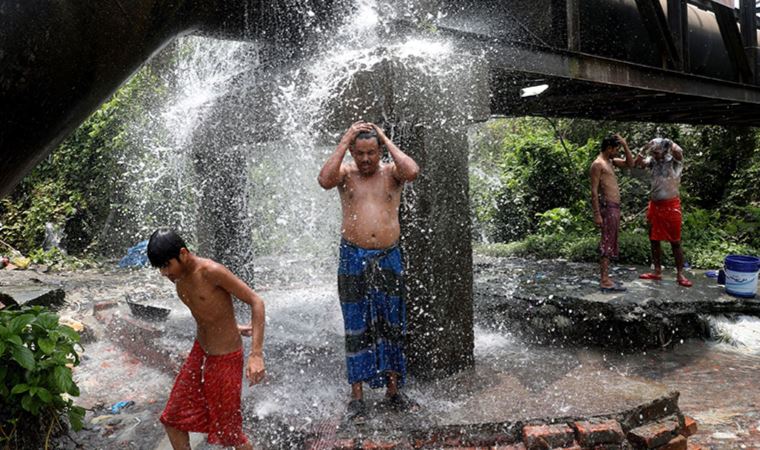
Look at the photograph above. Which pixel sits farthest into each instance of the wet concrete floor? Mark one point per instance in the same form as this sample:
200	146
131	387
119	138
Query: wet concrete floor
514	378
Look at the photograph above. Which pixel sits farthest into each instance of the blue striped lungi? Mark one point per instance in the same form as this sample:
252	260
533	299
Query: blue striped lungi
371	288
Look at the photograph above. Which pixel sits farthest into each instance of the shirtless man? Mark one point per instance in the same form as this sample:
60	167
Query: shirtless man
665	162
370	273
605	201
206	394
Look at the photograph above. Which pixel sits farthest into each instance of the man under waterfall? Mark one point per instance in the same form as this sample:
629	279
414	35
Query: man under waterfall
370	272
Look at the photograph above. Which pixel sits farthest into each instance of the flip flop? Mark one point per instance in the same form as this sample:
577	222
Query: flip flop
650	276
614	288
685	282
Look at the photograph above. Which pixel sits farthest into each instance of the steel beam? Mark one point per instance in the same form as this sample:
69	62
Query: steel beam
678	19
574	25
604	71
732	39
748	12
656	24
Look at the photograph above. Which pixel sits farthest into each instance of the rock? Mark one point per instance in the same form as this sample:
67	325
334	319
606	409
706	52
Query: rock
37	295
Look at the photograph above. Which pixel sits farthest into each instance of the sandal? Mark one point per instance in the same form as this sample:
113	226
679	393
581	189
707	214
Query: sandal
683	281
650	276
356	411
614	288
401	403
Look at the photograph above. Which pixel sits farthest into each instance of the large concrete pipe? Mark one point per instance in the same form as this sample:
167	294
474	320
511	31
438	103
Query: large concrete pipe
60	60
609	28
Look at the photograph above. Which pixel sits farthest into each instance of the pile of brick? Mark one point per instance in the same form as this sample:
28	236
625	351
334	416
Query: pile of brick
668	433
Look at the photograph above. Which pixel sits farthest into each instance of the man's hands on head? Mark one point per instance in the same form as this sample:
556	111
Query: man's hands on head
356	128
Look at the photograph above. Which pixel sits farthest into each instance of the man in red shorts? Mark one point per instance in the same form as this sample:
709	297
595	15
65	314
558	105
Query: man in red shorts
665	161
206	394
605	201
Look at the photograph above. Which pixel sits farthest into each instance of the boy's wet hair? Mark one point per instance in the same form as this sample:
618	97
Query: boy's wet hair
368	135
163	246
610	141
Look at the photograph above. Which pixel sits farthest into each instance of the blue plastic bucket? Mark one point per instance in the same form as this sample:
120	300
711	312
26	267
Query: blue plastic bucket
741	275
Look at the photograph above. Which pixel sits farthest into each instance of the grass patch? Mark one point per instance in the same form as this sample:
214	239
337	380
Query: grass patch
634	249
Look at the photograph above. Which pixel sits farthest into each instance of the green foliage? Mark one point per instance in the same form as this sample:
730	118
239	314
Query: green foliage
532	193
36	356
75	187
57	259
535	173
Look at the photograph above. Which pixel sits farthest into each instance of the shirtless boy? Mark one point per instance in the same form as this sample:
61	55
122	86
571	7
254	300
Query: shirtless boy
206	394
370	273
605	201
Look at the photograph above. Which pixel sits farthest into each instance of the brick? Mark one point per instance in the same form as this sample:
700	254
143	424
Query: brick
372	444
343	444
325	444
690	427
518	446
382	445
690	446
141	340
607	432
679	443
99	309
537	437
655	434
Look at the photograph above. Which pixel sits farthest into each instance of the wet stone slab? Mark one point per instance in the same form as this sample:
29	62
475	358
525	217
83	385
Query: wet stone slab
39	294
560	301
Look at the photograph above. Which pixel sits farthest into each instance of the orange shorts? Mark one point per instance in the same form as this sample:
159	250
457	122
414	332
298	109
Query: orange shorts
206	397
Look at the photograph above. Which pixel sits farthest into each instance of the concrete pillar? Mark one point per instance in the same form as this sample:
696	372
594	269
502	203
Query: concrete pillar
426	105
221	166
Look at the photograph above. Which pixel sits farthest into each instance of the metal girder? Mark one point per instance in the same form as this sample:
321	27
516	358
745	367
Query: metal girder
656	24
748	11
611	72
732	38
678	20
574	25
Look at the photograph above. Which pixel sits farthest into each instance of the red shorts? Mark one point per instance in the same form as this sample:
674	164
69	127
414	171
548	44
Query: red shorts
664	218
206	397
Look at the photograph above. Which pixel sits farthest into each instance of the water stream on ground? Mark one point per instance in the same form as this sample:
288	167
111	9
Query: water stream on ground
306	388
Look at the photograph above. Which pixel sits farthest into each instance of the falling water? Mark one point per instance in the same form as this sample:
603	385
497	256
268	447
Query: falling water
278	118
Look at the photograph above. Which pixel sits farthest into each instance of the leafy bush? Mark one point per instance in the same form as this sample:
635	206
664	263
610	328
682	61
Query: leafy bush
60	260
36	356
77	186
